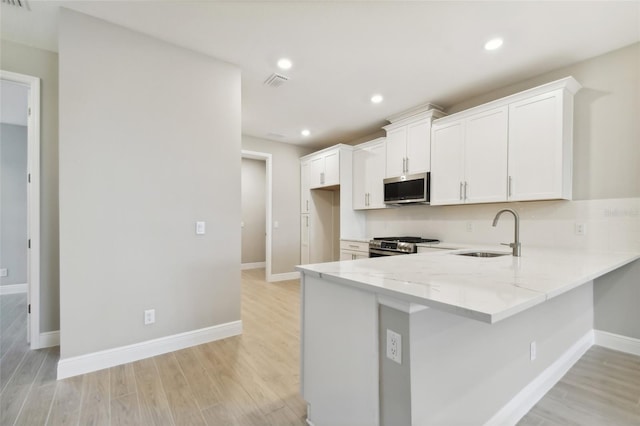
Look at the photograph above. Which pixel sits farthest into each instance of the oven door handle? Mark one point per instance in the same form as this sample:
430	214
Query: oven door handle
386	252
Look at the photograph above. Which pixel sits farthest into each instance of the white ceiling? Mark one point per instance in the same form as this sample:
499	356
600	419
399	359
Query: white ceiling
343	52
14	101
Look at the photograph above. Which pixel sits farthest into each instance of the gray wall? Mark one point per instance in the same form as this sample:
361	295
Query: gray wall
285	253
616	298
149	144
13	203
253	184
43	64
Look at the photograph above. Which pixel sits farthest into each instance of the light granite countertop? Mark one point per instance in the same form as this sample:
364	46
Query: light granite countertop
485	289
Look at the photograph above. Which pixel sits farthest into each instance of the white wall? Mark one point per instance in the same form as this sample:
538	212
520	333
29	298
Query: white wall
253	184
285	254
13	203
44	65
149	144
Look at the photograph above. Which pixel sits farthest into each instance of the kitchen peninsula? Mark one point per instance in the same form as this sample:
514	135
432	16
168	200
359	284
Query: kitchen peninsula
474	332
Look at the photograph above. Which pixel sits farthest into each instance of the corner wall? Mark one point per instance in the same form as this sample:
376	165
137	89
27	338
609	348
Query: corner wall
149	144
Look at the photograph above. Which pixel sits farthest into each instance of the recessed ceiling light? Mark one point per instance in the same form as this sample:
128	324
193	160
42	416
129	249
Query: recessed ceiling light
493	44
305	132
376	99
284	64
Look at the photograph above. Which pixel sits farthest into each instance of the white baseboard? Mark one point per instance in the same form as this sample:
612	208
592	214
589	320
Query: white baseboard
13	289
83	364
529	396
617	342
254	265
49	339
284	277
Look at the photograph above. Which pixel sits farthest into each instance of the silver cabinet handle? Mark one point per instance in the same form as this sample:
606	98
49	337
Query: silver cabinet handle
461	186
404	165
353	246
510	186
465	190
322	178
407	162
307	221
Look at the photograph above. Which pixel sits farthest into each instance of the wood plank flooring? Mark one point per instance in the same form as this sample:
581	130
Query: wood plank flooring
251	379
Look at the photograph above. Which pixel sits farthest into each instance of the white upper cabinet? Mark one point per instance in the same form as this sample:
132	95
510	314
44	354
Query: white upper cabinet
447	167
408	143
540	148
325	169
368	175
305	198
513	149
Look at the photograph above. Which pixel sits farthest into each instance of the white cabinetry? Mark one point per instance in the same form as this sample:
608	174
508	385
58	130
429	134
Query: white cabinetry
368	174
514	149
325	169
408	143
540	147
305	196
326	211
469	159
352	250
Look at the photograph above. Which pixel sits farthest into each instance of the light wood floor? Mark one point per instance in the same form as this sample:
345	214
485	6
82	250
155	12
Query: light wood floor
250	380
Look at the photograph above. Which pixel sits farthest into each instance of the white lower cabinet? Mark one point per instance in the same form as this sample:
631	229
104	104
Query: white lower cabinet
352	250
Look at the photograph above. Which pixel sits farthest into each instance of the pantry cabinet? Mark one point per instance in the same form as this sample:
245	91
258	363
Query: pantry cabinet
305	187
517	148
368	175
408	144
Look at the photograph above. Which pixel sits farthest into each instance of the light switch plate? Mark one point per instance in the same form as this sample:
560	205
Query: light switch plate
4	272
200	228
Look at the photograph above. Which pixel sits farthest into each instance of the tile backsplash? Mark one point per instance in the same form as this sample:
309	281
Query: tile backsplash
609	224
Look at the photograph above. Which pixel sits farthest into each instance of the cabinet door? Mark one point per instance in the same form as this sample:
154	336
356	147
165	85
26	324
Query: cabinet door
317	172
447	164
485	163
396	152
375	167
360	178
332	168
304	239
305	194
418	147
535	148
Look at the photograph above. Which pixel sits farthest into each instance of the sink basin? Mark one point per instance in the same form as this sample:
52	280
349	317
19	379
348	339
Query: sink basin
482	254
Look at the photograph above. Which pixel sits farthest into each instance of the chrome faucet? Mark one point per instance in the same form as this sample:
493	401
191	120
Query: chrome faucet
516	244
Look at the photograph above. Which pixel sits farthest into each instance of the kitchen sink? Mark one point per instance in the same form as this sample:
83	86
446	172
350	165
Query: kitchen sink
482	254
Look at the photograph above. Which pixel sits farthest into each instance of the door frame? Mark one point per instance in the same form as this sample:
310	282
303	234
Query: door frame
267	158
33	202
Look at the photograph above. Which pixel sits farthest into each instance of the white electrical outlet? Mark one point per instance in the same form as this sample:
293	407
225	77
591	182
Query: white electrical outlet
581	229
149	316
394	346
533	351
4	272
469	226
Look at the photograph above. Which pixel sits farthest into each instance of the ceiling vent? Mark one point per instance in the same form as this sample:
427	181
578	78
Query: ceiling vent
275	79
17	3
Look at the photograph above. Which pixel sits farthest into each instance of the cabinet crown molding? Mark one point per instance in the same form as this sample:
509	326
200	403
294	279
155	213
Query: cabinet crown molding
327	149
569	84
415	111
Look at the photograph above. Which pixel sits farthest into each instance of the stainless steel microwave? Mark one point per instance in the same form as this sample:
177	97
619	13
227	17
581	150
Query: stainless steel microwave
409	189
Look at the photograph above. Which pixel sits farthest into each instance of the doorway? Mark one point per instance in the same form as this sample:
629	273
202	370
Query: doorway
267	159
21	96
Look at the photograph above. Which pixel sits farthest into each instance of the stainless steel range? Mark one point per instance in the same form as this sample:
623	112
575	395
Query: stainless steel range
391	246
